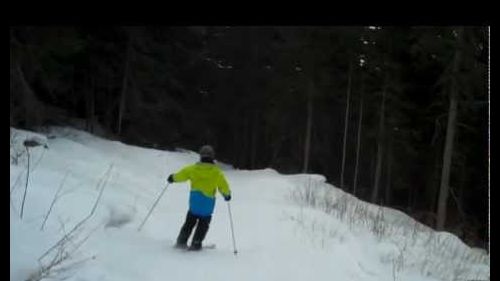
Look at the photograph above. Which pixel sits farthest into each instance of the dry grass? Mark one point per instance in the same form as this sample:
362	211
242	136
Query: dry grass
59	261
420	247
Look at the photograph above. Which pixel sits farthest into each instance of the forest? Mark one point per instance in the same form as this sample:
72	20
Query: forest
396	115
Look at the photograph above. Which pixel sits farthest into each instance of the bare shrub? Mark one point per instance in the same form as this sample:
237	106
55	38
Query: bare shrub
379	224
62	262
16	151
398	264
342	206
81	223
58	260
307	193
444	257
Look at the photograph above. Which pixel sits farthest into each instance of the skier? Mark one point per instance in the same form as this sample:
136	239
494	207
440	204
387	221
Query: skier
206	178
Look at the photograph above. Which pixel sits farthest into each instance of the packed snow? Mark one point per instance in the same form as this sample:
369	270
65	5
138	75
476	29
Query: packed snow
286	227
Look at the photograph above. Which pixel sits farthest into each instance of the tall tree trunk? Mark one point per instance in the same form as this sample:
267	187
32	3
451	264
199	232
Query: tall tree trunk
489	133
346	125
109	108
123	95
240	129
30	105
388	188
435	182
411	196
463	182
253	156
358	145
236	144
433	173
380	146
450	134
307	144
245	145
276	150
91	105
373	160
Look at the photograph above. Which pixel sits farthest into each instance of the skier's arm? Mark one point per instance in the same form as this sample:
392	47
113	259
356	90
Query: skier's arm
182	175
223	186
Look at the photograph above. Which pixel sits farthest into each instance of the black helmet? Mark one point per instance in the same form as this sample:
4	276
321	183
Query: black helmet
207	151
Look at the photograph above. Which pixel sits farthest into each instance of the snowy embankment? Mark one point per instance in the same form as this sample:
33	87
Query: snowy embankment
86	197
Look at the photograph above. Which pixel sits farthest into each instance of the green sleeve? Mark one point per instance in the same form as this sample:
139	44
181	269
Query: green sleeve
183	175
223	185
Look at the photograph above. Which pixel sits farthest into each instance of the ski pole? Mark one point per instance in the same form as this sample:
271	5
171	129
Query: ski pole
154	205
232	228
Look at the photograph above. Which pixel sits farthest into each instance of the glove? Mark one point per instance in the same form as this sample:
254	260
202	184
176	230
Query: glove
227	197
170	179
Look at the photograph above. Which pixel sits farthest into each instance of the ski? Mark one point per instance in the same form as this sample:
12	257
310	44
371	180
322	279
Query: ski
207	246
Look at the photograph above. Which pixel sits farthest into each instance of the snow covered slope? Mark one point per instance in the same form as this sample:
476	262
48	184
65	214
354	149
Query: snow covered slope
286	227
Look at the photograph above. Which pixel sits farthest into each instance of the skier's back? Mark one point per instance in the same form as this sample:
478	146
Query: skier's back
206	179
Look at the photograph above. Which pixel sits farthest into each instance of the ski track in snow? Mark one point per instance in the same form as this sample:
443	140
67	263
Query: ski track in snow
276	239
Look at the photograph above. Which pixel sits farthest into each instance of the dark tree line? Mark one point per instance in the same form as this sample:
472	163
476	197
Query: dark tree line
396	115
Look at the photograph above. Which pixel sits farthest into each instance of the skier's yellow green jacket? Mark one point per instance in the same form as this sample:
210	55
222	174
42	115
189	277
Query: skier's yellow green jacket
206	179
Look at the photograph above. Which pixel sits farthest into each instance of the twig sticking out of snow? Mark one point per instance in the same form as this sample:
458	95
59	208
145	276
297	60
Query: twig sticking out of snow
54	200
27	181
